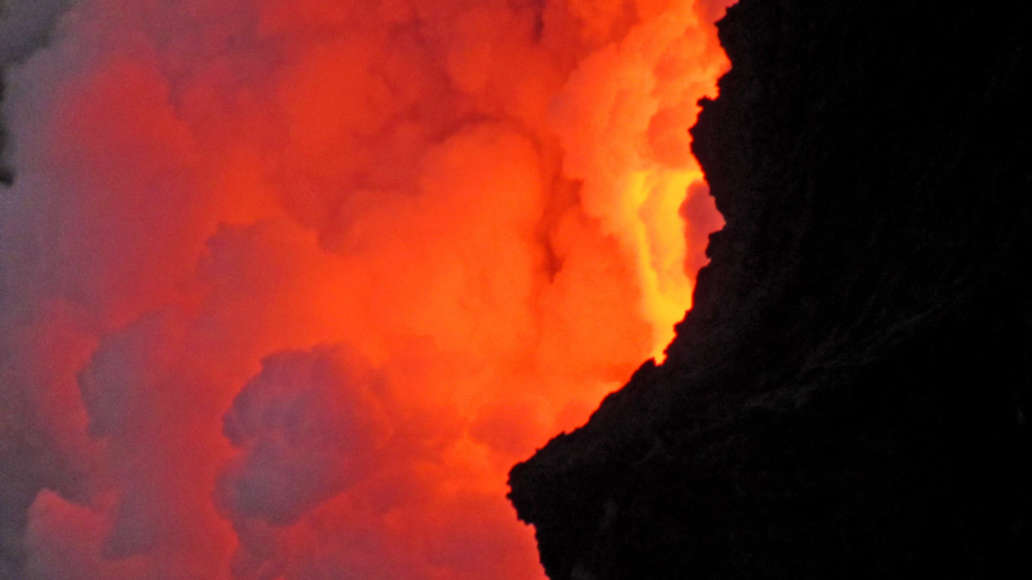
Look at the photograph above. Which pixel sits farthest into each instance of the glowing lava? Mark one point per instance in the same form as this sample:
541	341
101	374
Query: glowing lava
289	285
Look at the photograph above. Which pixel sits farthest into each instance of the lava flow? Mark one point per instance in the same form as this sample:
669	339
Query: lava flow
289	285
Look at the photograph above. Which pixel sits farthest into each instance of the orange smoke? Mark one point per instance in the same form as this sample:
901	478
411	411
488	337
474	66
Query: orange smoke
290	285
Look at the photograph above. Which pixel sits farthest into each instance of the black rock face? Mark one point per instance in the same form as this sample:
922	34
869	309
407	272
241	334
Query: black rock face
849	397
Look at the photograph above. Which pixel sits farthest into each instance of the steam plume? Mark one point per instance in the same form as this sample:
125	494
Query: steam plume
288	285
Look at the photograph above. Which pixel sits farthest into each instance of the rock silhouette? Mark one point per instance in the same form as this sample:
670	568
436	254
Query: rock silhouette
849	397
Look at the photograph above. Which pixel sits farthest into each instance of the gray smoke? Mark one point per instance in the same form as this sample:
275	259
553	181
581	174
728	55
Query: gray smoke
25	26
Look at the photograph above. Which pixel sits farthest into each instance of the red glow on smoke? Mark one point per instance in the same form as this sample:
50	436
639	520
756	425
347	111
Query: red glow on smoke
296	282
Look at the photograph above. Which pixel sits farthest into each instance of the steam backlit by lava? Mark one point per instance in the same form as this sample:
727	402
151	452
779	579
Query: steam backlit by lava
289	285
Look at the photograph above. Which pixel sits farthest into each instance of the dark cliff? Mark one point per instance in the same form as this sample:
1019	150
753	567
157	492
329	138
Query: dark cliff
850	395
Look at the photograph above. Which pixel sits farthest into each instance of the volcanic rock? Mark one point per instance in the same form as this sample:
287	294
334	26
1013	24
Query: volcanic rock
849	397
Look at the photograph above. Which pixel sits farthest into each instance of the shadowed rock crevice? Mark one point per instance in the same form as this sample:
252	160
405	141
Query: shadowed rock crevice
849	396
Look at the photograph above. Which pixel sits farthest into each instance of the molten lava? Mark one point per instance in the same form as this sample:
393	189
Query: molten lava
291	284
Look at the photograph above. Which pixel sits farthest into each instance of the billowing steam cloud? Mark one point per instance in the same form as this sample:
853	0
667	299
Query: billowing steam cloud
288	285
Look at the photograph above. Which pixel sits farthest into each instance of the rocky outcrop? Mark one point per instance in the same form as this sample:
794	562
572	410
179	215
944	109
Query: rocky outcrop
849	397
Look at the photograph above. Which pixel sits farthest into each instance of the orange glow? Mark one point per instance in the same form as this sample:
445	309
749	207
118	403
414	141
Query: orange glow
323	271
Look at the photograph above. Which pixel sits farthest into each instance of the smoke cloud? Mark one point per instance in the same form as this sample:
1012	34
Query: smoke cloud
287	286
25	26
